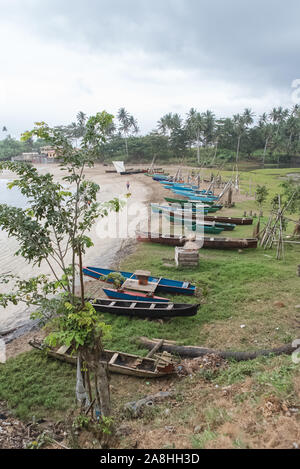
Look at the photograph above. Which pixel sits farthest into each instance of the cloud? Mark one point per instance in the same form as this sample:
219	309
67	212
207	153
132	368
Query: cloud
150	57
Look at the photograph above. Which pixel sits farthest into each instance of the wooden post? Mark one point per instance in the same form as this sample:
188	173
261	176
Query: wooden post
229	201
149	218
160	223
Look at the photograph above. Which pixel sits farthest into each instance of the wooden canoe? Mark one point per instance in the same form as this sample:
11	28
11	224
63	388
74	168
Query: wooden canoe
209	243
144	309
159	284
196	219
182	202
118	362
230	243
133	296
160	239
233	220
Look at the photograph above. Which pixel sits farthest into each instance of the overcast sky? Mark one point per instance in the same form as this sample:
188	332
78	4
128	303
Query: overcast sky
149	56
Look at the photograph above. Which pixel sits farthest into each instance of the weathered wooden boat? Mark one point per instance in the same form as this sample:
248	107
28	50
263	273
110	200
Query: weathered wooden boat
209	243
143	309
117	362
154	284
172	240
230	243
133	296
233	220
182	202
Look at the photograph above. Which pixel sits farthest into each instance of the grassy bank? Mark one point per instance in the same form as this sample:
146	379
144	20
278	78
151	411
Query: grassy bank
230	408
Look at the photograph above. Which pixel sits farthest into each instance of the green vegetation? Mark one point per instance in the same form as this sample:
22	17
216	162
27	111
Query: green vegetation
272	138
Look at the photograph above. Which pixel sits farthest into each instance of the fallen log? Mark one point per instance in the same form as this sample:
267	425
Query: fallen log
193	352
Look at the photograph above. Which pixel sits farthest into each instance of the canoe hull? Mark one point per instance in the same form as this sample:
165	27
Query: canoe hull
133	296
145	309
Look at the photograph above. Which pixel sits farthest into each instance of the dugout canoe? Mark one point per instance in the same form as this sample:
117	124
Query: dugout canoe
182	202
155	284
117	362
145	309
209	243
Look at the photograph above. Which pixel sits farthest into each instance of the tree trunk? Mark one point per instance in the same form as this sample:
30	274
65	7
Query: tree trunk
194	352
126	146
198	153
238	149
103	389
81	278
265	151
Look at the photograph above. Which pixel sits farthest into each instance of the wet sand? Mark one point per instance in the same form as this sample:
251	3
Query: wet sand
105	252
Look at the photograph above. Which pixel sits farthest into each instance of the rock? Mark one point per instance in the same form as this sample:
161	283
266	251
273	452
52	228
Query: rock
197	429
297	307
170	429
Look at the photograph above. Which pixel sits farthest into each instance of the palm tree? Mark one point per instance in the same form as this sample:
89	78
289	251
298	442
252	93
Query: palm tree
241	124
127	122
194	126
266	128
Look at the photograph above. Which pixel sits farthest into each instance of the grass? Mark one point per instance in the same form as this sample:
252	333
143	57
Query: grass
234	289
33	385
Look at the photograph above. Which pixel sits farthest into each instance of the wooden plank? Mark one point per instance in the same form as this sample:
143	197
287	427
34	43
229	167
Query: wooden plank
63	349
133	305
170	306
112	303
153	306
113	358
155	348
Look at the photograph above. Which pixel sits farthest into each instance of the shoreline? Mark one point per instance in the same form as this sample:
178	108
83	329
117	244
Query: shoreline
16	339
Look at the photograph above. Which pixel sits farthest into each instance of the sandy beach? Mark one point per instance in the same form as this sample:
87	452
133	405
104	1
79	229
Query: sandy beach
104	251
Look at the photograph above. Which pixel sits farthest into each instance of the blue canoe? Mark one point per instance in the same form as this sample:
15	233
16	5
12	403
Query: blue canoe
133	296
163	284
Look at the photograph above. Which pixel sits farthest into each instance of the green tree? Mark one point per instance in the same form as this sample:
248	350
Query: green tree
54	228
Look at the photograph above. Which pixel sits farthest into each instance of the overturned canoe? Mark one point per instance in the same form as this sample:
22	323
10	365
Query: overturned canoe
161	284
144	309
117	362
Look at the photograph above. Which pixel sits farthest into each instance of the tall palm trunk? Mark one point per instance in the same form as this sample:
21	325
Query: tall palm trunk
265	151
238	148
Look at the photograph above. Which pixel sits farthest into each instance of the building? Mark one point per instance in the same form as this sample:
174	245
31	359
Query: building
48	151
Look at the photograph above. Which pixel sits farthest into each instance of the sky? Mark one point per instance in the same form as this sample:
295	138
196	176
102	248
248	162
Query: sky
152	57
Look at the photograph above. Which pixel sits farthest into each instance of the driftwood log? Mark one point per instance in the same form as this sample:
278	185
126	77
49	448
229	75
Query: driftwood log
193	352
